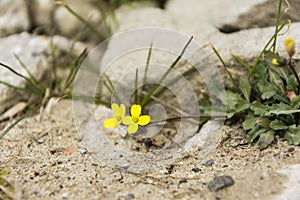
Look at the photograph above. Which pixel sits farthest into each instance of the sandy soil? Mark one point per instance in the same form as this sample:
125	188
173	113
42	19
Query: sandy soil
39	167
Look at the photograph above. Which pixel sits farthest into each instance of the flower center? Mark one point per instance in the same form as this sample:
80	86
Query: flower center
135	119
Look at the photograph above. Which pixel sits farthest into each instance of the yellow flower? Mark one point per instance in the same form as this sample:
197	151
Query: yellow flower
275	62
135	119
119	112
289	45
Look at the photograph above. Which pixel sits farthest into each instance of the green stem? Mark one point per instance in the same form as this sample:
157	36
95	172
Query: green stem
277	24
262	52
189	117
135	86
294	72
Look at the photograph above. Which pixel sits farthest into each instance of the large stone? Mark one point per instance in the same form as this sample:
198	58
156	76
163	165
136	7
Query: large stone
41	14
30	50
34	52
291	186
69	25
13	17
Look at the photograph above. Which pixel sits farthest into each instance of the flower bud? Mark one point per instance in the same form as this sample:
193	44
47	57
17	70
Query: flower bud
275	62
289	45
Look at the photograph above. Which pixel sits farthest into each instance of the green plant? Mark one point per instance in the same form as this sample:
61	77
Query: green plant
6	189
267	98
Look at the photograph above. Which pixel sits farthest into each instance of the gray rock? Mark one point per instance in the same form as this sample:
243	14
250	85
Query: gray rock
30	50
291	187
220	182
13	17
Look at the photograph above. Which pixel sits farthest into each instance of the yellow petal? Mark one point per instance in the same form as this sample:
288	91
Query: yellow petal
116	109
123	110
136	110
275	62
132	128
144	120
127	120
110	123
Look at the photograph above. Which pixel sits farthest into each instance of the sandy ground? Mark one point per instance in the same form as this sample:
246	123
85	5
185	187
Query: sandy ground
40	168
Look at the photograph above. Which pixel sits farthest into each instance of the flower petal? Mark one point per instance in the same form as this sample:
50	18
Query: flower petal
135	110
144	120
127	120
132	128
116	109
123	110
110	123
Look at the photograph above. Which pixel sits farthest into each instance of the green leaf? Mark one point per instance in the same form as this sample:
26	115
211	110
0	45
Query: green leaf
293	135
245	87
291	83
266	139
261	71
268	94
263	122
281	109
267	89
249	122
241	106
278	125
258	108
296	102
255	132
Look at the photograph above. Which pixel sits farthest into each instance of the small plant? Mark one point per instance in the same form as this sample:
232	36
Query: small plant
6	189
270	100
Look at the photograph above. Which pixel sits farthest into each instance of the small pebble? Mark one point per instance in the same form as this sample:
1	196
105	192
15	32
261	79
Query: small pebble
94	164
82	151
220	182
196	169
182	181
126	197
59	162
208	163
40	141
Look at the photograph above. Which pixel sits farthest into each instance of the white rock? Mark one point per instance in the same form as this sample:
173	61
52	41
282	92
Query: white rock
68	24
249	43
206	140
41	12
30	50
13	17
34	52
201	18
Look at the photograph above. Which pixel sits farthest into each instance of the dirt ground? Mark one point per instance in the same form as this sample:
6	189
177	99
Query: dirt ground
46	160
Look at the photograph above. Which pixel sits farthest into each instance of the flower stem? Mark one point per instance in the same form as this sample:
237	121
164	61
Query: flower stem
188	117
294	72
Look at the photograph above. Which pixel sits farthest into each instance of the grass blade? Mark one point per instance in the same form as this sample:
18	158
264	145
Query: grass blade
277	24
26	69
136	96
156	86
225	66
147	63
241	62
86	23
